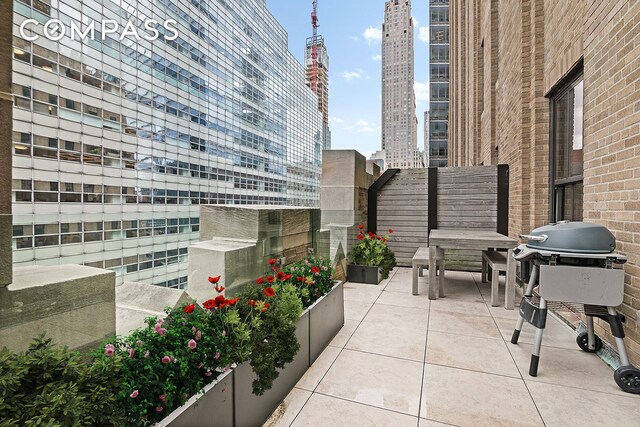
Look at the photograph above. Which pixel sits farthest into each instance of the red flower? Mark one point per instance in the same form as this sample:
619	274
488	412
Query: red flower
219	289
270	279
252	302
275	268
269	292
219	302
189	308
360	237
390	231
300	279
315	270
266	305
233	301
214	279
260	280
361	227
372	235
209	304
287	277
281	275
272	261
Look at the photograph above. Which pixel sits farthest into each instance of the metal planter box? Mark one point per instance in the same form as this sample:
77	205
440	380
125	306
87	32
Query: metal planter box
252	410
213	408
363	274
326	318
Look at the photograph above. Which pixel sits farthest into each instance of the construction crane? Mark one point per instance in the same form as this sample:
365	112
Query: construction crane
314	48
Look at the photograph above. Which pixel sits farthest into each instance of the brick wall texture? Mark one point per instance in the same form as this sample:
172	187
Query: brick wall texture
506	57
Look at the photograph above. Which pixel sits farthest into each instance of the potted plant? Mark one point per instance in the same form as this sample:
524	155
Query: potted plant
371	259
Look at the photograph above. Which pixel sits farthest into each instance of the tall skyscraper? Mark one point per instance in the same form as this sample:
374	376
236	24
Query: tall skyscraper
439	90
118	139
399	123
315	45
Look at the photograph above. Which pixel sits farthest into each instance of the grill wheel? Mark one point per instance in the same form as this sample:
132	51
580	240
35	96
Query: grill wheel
628	379
583	342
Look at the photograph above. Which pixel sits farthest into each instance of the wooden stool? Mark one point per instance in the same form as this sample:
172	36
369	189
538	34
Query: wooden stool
420	260
497	261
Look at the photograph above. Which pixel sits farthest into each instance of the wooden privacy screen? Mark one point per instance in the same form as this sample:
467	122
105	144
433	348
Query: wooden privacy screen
414	201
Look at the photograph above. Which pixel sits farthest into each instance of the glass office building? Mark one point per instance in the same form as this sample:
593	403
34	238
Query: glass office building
117	140
439	71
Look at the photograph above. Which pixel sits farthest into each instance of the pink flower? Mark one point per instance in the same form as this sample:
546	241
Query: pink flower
224	333
208	373
193	329
227	368
166	359
217	356
198	335
131	353
146	354
199	365
139	343
192	344
159	408
163	398
109	349
159	329
134	394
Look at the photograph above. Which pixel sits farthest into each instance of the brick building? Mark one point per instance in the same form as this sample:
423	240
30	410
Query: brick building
552	87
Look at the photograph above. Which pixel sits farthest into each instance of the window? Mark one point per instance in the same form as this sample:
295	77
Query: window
566	151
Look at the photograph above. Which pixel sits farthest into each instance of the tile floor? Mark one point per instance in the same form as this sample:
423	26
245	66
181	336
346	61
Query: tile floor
402	360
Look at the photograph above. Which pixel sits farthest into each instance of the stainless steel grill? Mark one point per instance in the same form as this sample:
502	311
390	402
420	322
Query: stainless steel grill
572	265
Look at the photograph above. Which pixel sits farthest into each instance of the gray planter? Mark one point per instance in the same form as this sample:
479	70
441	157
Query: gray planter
363	274
252	410
326	318
213	408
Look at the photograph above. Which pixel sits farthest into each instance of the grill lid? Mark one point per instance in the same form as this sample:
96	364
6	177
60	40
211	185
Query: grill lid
574	237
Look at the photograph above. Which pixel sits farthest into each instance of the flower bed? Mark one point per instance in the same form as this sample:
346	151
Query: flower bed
371	259
157	369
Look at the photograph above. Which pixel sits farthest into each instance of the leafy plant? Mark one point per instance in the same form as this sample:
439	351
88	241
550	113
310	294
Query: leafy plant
313	275
373	250
49	385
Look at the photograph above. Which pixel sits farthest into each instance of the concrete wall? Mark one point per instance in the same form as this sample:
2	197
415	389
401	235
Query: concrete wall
538	43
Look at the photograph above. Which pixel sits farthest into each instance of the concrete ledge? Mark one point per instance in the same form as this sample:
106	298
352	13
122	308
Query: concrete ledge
73	304
137	301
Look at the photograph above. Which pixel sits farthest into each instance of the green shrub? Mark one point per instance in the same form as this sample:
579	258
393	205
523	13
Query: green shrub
53	386
313	275
373	250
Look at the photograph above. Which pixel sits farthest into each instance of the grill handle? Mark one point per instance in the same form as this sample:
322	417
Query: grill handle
541	238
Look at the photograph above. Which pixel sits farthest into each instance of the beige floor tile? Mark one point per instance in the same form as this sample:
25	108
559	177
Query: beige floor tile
362	293
373	337
356	310
470	398
478	354
326	411
398	317
284	415
430	423
556	333
477	308
502	313
565	406
403	285
345	333
463	324
314	374
567	367
413	301
381	381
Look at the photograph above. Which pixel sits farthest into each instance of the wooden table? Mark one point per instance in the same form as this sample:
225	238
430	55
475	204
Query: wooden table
475	240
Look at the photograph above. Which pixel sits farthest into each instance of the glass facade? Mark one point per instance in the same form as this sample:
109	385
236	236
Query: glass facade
117	140
439	76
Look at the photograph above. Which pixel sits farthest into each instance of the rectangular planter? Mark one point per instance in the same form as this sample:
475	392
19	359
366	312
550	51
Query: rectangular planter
363	274
326	318
213	408
252	410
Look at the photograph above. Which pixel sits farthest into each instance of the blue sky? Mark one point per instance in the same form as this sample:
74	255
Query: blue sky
351	30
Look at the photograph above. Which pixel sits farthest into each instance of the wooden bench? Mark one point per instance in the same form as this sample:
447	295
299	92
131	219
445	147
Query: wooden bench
421	260
497	261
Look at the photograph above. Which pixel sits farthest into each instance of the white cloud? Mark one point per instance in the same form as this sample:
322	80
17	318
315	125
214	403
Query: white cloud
423	34
372	34
350	75
336	120
377	58
364	126
415	21
422	92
